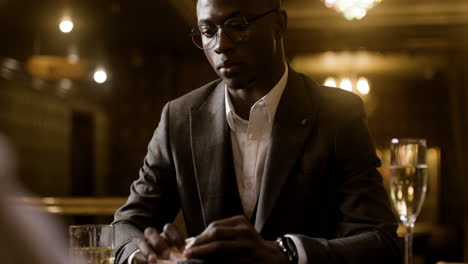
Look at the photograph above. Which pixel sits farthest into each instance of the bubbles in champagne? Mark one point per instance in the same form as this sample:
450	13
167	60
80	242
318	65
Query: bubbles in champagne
407	191
94	255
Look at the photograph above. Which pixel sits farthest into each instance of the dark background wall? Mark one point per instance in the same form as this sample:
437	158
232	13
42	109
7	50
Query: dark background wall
137	106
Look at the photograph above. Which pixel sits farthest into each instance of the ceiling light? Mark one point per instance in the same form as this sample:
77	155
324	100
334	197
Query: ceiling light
100	76
330	81
330	3
352	9
363	86
346	84
66	25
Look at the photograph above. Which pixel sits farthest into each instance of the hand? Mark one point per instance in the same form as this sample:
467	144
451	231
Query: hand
234	240
154	245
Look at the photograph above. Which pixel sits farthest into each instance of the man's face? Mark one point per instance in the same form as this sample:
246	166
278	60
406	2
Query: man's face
241	65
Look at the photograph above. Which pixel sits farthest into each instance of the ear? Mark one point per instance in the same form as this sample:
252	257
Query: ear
282	23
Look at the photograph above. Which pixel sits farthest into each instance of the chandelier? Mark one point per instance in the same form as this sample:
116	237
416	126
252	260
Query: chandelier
358	86
352	9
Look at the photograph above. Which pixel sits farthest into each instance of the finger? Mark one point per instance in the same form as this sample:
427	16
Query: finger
231	221
158	243
173	236
223	233
217	247
189	242
224	229
145	249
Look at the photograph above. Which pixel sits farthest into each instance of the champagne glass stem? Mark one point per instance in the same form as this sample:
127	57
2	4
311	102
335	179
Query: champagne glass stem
409	243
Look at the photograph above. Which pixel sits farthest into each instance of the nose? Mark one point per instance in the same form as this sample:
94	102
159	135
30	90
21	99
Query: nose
223	43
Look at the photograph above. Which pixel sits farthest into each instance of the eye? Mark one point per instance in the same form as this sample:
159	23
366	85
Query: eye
208	31
237	24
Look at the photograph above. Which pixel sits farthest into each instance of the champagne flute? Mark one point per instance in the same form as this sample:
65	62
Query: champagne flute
408	186
92	244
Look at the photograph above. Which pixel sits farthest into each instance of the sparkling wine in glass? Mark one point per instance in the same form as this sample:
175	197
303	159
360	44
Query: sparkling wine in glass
408	186
92	244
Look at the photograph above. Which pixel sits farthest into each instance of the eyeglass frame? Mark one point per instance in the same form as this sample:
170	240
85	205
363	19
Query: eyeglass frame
248	23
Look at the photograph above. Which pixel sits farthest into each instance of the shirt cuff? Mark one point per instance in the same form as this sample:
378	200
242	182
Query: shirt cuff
301	253
130	259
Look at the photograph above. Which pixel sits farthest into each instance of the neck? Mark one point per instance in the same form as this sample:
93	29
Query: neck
244	99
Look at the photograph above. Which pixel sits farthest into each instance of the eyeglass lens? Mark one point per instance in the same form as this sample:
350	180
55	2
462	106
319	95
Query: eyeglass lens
207	37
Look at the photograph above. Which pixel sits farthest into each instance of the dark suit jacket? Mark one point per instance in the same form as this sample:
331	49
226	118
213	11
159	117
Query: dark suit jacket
320	179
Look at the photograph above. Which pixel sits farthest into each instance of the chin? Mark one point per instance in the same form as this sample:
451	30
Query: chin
238	84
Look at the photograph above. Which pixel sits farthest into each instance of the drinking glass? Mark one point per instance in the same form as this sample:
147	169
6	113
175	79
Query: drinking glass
408	170
92	244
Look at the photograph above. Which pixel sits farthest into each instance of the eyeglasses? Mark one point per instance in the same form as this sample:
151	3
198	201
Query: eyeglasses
236	29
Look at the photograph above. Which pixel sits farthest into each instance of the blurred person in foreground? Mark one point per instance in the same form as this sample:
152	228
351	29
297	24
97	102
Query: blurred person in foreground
267	166
26	235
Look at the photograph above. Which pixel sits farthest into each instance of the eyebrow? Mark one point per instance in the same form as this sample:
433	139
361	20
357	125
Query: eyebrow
226	18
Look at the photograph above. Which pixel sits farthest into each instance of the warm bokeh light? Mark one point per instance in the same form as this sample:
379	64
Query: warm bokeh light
330	81
354	12
8	67
346	84
66	25
330	3
65	84
363	86
100	76
73	58
352	9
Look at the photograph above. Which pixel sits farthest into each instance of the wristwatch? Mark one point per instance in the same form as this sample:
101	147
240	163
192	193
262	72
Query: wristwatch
288	248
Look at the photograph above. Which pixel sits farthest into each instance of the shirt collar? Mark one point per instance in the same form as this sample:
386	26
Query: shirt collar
271	99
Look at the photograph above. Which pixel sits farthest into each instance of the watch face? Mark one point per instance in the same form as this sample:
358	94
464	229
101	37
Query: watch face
291	248
290	245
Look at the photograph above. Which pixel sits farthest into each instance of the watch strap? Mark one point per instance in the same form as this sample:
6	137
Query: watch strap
288	248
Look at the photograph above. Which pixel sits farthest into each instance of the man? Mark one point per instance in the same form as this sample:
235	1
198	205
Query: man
266	166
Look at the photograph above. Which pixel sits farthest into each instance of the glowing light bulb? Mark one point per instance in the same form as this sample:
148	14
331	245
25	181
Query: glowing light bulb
352	9
346	84
330	81
66	25
330	3
100	76
363	86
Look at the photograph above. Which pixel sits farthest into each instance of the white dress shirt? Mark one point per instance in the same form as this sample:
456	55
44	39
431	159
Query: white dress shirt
250	141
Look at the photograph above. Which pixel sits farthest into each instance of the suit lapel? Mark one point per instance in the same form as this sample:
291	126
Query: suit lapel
294	120
212	158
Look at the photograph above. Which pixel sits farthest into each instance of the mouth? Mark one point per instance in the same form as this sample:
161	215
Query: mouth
229	68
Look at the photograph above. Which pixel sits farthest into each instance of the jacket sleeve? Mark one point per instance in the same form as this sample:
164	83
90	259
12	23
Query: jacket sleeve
366	229
154	199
